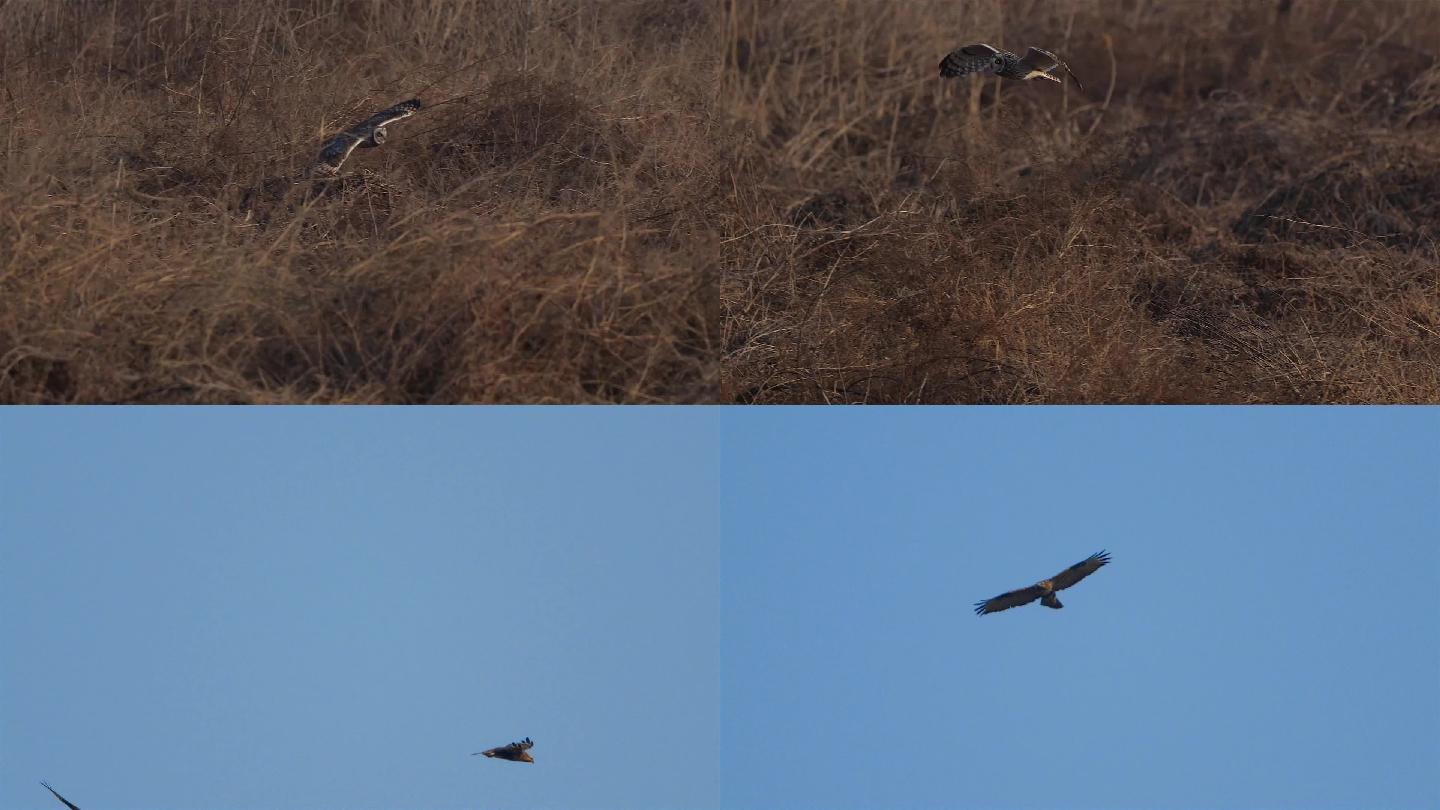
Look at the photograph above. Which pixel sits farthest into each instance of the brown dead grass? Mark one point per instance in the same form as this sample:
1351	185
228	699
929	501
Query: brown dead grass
1244	206
750	200
544	231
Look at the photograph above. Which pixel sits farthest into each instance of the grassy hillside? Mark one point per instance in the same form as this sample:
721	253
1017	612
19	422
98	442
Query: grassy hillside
1243	206
742	200
543	231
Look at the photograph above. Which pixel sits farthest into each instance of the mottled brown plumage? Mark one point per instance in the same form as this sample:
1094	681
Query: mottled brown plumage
1045	589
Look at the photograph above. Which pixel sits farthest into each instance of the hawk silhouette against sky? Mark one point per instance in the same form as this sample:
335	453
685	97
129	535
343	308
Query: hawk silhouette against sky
368	133
981	58
1045	589
515	751
61	798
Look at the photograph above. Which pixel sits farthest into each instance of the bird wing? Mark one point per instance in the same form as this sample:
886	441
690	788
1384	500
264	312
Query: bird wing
969	59
404	109
1005	601
61	798
1079	571
1045	61
336	150
503	750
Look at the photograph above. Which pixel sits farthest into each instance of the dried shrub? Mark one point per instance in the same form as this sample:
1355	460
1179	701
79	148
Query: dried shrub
1243	207
544	231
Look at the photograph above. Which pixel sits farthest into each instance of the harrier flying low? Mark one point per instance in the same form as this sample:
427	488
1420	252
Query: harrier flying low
1045	589
515	751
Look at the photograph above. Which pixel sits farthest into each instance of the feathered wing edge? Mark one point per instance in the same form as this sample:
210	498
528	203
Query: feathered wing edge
1079	570
1057	63
61	798
389	115
1010	599
966	60
334	154
516	747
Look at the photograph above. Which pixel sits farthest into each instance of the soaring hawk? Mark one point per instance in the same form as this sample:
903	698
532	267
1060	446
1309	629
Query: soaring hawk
1045	589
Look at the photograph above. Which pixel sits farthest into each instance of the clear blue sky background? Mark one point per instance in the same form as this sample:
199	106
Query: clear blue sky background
1267	636
209	608
311	608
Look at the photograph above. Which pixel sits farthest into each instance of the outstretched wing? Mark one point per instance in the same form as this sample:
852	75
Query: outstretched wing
1079	570
1045	61
1005	601
337	149
61	798
967	60
513	751
334	152
404	109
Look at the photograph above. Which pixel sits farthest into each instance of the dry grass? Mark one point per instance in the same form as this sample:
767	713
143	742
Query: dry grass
749	200
542	232
1244	206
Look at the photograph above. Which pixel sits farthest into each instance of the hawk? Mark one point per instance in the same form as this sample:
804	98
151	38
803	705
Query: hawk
515	751
61	798
368	133
1045	589
1035	64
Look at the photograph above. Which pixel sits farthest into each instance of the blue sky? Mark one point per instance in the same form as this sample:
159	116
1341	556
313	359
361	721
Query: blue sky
326	608
307	608
1267	636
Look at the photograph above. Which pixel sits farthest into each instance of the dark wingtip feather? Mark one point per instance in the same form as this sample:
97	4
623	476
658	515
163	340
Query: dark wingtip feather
62	799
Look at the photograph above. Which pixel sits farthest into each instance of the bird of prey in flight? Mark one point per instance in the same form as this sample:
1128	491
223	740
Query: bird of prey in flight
1045	589
61	798
980	58
368	133
515	751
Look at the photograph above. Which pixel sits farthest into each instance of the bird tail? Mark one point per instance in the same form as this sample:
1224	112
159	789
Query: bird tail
1050	601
